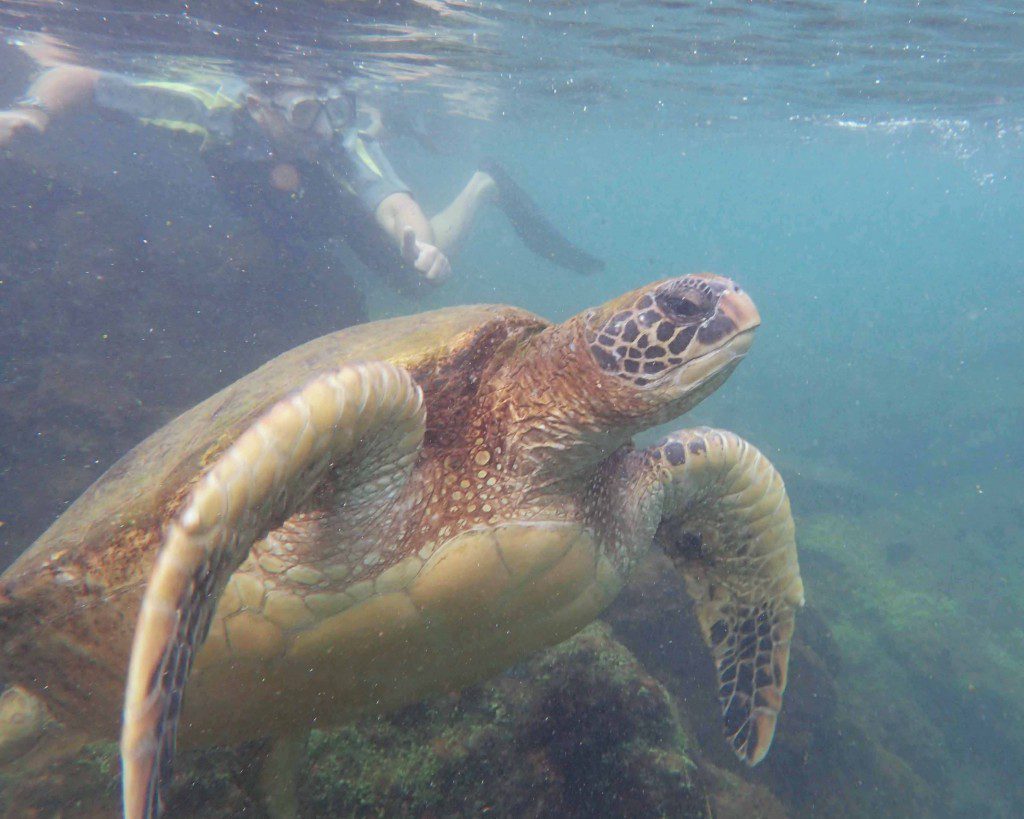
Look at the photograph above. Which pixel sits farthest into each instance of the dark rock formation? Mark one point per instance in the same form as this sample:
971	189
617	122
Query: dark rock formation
579	731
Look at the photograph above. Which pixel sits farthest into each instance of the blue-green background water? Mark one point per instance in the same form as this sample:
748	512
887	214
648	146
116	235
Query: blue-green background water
858	167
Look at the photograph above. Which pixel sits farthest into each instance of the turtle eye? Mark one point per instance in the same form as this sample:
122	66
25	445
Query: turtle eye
685	305
680	306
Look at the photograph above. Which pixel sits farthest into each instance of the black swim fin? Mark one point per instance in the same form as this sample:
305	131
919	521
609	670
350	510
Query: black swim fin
533	227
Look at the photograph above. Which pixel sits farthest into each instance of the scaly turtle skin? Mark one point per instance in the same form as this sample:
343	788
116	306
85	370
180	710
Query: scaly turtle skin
399	509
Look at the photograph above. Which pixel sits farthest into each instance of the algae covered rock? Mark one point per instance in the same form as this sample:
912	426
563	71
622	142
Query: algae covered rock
114	318
822	761
579	730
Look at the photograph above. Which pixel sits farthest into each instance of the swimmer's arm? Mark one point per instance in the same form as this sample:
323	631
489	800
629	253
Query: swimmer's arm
372	179
403	220
174	106
399	210
52	94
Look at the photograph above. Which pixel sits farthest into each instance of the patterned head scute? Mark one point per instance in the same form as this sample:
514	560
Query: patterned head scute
651	337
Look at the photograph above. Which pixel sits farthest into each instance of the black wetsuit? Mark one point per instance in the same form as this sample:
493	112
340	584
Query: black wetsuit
335	196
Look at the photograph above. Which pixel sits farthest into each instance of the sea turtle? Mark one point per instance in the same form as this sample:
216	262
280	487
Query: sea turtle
398	509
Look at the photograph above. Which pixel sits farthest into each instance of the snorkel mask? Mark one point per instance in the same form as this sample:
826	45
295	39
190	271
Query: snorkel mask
304	108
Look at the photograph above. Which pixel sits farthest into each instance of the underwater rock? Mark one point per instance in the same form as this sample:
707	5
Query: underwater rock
579	730
821	762
113	321
932	677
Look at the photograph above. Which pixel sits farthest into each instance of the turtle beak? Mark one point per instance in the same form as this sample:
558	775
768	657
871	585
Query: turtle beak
737	318
736	306
722	341
734	318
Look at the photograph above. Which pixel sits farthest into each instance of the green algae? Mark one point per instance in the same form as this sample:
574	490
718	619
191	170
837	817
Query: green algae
578	726
928	674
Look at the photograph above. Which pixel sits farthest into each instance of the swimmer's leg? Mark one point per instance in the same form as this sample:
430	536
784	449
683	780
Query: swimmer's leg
452	224
534	228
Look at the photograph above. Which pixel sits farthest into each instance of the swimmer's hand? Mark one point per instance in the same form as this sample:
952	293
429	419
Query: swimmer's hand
428	260
19	121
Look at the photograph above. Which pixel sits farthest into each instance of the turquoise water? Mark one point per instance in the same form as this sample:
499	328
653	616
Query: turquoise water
858	167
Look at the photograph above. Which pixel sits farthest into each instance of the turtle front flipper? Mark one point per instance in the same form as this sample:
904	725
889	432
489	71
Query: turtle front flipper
349	415
727	527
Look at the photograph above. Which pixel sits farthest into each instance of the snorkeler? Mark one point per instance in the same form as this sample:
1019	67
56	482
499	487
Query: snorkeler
303	161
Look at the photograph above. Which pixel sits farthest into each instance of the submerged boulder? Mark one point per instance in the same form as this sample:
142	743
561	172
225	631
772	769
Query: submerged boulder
579	730
115	317
822	761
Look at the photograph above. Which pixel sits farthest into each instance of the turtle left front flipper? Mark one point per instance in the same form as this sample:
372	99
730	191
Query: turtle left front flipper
727	527
357	414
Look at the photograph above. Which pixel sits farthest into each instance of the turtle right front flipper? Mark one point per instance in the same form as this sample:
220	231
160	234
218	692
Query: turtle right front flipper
727	527
354	413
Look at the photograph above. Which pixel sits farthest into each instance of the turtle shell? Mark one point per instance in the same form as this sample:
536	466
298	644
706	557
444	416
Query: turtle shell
80	583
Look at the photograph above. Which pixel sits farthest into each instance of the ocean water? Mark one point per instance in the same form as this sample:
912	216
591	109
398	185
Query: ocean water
857	166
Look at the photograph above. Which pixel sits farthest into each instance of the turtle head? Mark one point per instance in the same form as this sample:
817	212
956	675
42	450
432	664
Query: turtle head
660	350
615	370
